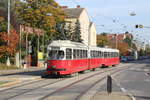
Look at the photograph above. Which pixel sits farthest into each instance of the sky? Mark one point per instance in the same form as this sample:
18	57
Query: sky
113	16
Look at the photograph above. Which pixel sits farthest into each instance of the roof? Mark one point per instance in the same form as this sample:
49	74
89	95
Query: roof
73	12
120	37
67	43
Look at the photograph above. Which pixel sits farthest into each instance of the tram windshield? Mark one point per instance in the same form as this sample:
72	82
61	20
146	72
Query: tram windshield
55	55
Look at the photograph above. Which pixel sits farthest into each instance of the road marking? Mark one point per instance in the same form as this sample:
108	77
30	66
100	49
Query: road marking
124	90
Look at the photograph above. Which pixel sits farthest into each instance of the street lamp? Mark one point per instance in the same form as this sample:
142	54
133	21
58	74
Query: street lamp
8	30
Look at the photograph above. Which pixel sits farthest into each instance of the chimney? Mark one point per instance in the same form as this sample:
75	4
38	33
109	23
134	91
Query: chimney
64	6
78	6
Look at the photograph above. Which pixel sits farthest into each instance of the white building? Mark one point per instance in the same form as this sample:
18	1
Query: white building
88	30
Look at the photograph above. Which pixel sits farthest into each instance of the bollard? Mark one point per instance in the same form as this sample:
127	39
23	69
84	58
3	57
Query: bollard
109	84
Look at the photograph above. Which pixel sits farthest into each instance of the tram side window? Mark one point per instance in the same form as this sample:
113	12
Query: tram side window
112	55
105	54
98	54
74	54
91	54
78	54
109	54
101	54
86	55
81	53
68	53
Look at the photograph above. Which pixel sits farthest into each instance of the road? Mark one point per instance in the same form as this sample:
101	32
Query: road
135	80
128	79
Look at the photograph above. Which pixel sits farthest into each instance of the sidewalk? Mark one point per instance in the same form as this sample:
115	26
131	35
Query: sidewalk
10	78
15	71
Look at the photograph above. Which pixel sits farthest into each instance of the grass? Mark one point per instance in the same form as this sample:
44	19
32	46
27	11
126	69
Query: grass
2	82
5	67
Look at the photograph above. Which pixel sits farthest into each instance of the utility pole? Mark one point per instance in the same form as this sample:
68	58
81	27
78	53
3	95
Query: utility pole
116	41
8	30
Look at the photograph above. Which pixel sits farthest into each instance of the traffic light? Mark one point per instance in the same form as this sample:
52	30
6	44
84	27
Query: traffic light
139	26
136	26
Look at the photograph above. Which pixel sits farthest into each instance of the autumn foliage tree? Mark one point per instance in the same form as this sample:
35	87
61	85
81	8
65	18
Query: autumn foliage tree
42	14
8	44
102	40
121	46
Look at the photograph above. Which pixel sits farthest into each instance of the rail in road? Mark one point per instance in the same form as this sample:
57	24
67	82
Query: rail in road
48	88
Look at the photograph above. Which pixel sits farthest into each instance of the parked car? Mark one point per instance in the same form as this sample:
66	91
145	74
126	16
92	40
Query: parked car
123	59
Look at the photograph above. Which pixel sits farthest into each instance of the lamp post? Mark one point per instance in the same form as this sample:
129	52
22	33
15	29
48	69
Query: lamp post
116	40
8	30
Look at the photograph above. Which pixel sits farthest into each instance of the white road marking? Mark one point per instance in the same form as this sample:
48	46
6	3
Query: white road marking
124	90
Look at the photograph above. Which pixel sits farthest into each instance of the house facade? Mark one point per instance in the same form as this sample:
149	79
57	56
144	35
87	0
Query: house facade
88	30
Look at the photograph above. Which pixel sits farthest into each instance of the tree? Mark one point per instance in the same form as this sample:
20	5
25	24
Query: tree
43	14
3	24
76	33
102	40
121	46
8	49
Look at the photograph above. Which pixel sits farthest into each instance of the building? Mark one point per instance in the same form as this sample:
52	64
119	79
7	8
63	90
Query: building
119	37
88	30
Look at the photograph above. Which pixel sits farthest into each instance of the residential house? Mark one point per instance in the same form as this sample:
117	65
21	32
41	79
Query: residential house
88	30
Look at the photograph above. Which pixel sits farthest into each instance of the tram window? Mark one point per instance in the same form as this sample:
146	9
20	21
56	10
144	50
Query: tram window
101	54
104	54
56	54
109	55
91	53
86	54
115	54
78	54
81	53
96	54
74	53
68	53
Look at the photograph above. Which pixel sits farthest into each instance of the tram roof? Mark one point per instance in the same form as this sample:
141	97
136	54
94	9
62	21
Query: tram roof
103	49
67	43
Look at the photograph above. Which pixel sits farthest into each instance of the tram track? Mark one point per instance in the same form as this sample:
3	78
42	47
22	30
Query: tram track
57	81
34	89
82	93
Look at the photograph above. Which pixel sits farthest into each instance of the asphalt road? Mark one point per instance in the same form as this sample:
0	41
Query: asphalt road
128	79
135	80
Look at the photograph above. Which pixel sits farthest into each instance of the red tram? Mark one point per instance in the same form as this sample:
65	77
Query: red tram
66	57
